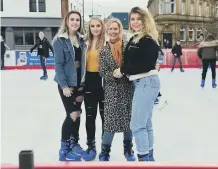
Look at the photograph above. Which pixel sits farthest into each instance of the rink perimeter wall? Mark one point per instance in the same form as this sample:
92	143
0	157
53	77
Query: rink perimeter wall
23	59
114	165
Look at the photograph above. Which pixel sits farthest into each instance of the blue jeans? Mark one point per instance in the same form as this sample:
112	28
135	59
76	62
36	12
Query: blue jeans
42	60
146	91
108	137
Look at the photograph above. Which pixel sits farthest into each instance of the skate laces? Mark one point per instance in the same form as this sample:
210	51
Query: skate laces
76	145
91	148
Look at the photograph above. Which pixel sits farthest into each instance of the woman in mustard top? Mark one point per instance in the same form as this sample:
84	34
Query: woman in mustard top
94	93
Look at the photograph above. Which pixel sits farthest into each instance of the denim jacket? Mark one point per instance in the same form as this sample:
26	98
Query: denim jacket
64	57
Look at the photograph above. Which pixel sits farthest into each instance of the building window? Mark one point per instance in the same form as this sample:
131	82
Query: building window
1	5
192	8
200	9
161	7
32	5
54	32
18	37
37	36
183	7
173	6
207	10
198	32
182	34
41	6
191	34
3	33
216	11
29	38
167	7
26	36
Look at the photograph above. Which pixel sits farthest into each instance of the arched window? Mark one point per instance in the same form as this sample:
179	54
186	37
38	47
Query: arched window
161	7
216	10
169	6
192	8
200	9
182	34
183	8
198	32
191	34
208	10
173	6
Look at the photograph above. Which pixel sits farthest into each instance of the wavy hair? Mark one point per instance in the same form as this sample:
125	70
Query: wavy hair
149	26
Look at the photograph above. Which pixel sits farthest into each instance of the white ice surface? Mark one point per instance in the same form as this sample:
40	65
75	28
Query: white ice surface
186	131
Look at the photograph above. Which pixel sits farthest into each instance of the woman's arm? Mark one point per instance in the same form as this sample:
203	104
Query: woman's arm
7	46
59	63
103	67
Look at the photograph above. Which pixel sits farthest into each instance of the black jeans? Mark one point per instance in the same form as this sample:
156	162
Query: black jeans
206	63
2	61
179	60
71	104
42	60
94	97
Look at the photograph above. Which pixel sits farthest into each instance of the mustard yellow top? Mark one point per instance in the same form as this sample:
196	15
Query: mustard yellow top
92	61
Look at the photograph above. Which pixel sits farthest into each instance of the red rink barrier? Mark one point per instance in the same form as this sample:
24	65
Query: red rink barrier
115	165
189	58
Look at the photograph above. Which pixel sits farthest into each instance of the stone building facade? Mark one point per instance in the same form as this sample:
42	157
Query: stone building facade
184	19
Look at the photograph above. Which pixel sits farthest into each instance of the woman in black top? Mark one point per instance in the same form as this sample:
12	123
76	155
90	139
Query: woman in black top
140	57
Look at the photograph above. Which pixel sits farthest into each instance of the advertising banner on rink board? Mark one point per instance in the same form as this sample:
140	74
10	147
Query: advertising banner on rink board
25	58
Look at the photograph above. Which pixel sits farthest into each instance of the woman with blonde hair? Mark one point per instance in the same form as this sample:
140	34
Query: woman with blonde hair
69	55
118	93
94	93
139	62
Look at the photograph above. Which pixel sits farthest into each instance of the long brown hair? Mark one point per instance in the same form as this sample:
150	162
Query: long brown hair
64	28
101	38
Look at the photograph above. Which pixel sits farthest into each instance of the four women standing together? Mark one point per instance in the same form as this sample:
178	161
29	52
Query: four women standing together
117	76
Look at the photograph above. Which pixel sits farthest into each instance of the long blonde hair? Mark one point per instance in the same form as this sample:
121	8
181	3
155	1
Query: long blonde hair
101	39
149	26
112	20
64	25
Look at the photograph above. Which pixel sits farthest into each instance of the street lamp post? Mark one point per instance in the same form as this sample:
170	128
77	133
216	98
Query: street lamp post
98	8
83	14
64	8
92	7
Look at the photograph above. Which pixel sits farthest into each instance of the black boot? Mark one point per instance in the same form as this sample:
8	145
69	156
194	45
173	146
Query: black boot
144	157
159	94
105	152
128	152
90	153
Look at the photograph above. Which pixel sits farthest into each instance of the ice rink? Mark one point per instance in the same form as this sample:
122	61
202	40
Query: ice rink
186	131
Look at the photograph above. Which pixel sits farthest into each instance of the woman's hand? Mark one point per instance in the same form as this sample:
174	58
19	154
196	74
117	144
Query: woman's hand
74	115
67	91
117	73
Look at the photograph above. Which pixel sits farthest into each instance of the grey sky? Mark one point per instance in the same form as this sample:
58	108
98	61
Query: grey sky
106	7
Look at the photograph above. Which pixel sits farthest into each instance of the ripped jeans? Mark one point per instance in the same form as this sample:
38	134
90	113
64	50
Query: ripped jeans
93	99
71	104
